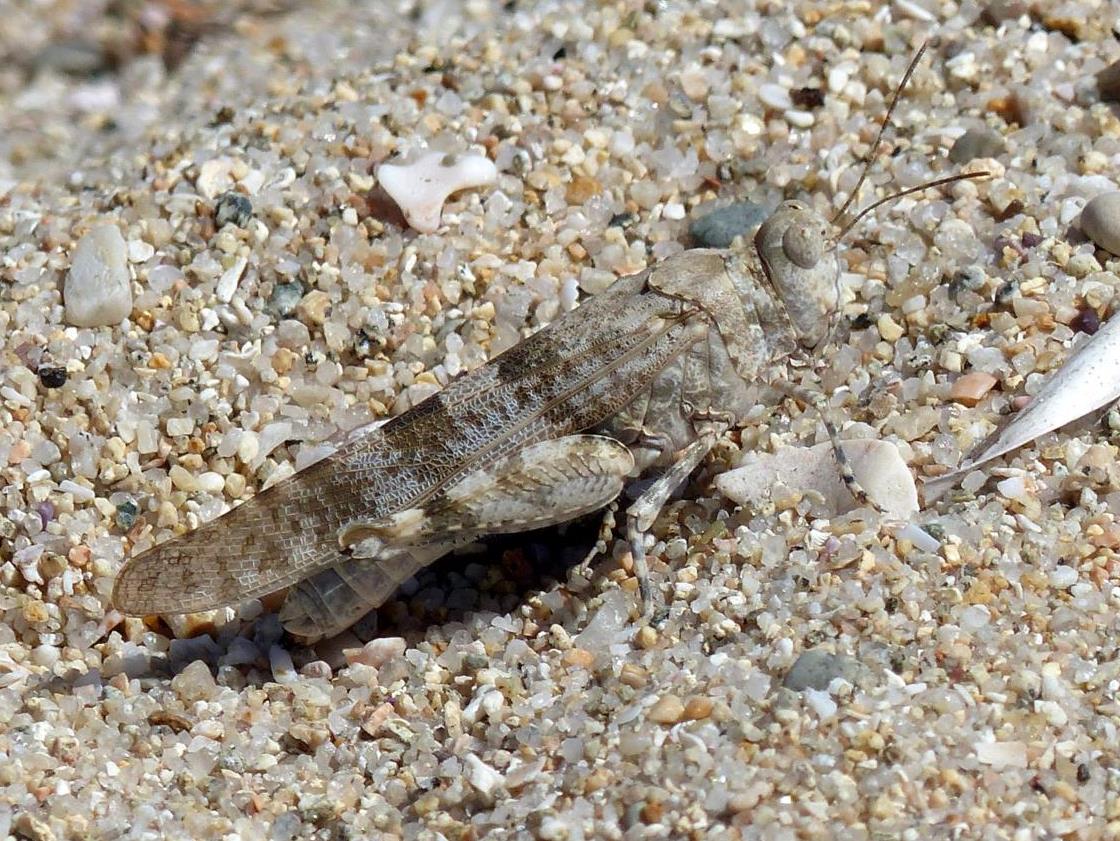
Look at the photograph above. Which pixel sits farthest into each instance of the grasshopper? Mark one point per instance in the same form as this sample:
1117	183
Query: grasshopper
643	377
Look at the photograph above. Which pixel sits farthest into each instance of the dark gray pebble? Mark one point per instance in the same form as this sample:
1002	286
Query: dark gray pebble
976	143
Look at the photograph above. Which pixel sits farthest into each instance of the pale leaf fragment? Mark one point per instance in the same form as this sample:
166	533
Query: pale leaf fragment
877	465
1089	380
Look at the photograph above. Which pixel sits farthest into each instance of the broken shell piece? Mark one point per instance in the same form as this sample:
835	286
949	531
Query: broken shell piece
1089	380
420	188
877	466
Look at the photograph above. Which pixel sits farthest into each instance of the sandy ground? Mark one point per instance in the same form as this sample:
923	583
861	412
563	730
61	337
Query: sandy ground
818	676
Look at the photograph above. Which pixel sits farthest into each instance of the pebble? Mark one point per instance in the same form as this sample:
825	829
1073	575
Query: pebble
747	591
633	675
1063	577
1013	487
1100	221
227	283
1002	754
817	668
667	710
976	143
98	289
52	376
911	9
33	828
233	207
820	702
1108	83
484	778
698	707
421	187
179	426
718	228
80	492
194	683
140	251
75	57
889	329
127	512
971	388
1001	11
775	96
285	298
582	189
215	176
314	307
1086	321
919	537
280	661
376	652
877	465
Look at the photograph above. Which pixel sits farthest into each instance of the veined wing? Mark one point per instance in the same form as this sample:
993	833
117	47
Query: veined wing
567	377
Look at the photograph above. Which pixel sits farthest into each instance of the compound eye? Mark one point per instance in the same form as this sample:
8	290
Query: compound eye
804	244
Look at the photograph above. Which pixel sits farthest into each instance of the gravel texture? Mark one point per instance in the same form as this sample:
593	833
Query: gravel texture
817	676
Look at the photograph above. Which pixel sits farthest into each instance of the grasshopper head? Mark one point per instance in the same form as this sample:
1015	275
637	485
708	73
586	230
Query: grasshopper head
799	256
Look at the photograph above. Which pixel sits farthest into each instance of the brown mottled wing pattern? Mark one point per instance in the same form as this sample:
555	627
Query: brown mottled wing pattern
567	377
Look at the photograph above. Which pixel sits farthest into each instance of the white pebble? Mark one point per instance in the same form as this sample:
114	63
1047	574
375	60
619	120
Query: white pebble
227	285
838	78
271	437
421	188
910	9
1100	221
215	176
98	292
80	492
1053	711
673	210
248	445
139	251
1063	576
775	96
376	652
179	426
569	294
975	617
820	702
1002	754
211	482
480	775
283	671
799	119
45	655
1013	487
919	537
182	479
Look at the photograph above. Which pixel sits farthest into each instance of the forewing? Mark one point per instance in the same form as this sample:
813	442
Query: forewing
565	378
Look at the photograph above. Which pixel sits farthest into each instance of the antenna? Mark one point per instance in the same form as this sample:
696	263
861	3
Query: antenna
960	176
879	137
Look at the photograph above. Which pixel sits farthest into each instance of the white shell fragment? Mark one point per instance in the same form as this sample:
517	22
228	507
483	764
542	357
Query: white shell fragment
98	291
420	188
877	465
1088	380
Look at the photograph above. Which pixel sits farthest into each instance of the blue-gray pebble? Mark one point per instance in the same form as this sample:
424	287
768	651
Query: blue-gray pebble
718	228
816	669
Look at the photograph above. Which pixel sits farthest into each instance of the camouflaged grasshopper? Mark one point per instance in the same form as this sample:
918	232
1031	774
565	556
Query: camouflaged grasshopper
644	376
